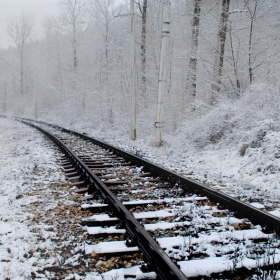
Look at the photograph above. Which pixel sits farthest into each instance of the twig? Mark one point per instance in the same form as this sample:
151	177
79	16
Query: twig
246	165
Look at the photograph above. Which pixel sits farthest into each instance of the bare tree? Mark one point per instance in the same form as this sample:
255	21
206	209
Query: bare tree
191	80
220	51
53	52
75	21
20	31
105	11
253	12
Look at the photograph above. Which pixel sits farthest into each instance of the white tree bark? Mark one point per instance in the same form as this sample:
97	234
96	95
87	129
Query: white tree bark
192	76
220	52
143	10
162	70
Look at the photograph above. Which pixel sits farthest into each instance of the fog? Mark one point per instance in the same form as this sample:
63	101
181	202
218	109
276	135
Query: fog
11	9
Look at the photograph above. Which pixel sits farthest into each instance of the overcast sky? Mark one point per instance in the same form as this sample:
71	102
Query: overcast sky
10	9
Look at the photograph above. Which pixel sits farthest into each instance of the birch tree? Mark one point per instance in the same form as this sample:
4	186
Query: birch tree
191	79
220	51
20	31
143	9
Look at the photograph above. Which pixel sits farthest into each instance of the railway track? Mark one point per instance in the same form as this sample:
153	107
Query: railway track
157	224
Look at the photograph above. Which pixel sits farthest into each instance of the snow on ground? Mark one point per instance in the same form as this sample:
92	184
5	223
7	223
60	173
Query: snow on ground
26	166
39	235
234	148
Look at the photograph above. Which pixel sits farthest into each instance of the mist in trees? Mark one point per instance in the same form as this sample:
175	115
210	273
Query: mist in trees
217	50
20	31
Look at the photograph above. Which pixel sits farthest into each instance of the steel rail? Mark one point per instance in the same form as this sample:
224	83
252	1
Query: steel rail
255	215
155	256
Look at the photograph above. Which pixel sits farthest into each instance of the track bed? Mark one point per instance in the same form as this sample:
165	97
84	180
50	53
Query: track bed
156	224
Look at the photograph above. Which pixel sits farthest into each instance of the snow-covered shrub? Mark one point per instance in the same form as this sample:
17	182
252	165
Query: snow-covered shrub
243	122
260	101
210	128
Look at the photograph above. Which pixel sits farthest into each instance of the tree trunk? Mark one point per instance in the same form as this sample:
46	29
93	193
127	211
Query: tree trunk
143	44
5	97
75	58
59	72
250	53
191	80
220	51
21	71
35	93
252	19
109	101
238	85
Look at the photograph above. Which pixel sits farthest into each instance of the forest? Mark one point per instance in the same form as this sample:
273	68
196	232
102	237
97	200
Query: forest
205	74
222	66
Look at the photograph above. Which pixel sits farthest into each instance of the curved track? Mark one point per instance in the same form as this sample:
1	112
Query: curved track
179	226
